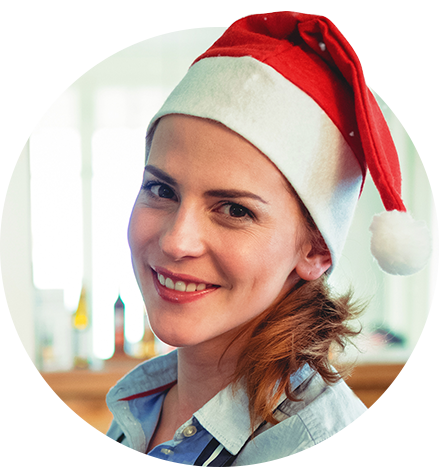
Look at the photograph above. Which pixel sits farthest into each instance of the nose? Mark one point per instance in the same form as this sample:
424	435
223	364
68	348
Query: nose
183	235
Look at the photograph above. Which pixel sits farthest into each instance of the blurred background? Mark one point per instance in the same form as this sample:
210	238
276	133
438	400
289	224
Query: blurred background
64	252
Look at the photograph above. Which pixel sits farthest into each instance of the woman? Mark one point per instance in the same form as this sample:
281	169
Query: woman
254	166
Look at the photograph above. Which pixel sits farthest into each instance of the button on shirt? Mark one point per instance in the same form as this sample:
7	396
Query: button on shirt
146	409
219	433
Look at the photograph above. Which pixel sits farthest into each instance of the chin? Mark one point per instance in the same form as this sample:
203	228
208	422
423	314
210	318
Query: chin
173	334
175	340
186	334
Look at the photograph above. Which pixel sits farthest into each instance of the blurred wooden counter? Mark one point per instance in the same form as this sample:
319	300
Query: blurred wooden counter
404	397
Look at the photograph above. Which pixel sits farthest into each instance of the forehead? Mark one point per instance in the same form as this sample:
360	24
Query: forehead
192	146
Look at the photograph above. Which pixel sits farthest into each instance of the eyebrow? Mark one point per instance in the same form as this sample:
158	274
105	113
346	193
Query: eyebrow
234	194
220	193
160	174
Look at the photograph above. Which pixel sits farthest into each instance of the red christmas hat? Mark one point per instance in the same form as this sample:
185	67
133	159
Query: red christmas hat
275	55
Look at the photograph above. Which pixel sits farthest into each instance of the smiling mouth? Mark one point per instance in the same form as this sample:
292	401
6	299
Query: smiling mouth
180	289
181	286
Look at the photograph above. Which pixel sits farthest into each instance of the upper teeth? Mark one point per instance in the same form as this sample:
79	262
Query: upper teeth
180	285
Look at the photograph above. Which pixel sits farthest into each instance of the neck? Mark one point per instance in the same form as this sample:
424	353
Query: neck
203	371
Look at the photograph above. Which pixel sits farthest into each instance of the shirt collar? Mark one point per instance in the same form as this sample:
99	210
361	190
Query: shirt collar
148	376
225	416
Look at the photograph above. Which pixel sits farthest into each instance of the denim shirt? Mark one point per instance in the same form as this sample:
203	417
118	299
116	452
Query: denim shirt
219	433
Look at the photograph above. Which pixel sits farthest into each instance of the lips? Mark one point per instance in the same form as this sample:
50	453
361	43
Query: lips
180	288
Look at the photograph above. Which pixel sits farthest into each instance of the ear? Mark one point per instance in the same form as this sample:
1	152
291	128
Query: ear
312	265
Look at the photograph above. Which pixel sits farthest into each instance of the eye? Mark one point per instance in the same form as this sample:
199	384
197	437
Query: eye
236	211
162	191
159	190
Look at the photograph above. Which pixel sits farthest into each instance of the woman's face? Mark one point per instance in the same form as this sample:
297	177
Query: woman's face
215	234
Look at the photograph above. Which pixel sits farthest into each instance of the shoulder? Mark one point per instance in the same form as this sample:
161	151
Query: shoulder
323	411
323	408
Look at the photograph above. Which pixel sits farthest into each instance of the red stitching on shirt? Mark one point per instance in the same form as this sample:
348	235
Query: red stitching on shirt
150	392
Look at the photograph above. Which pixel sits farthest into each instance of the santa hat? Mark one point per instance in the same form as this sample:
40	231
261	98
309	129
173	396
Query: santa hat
292	85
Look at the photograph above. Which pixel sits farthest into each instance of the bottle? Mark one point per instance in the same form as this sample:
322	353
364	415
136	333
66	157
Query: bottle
119	327
80	328
121	360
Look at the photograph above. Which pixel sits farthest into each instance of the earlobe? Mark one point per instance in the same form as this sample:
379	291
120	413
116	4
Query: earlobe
312	265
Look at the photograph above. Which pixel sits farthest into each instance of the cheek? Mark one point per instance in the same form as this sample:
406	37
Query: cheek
141	230
262	261
134	231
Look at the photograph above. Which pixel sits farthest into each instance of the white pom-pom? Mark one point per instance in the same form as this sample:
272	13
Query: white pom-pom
401	245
